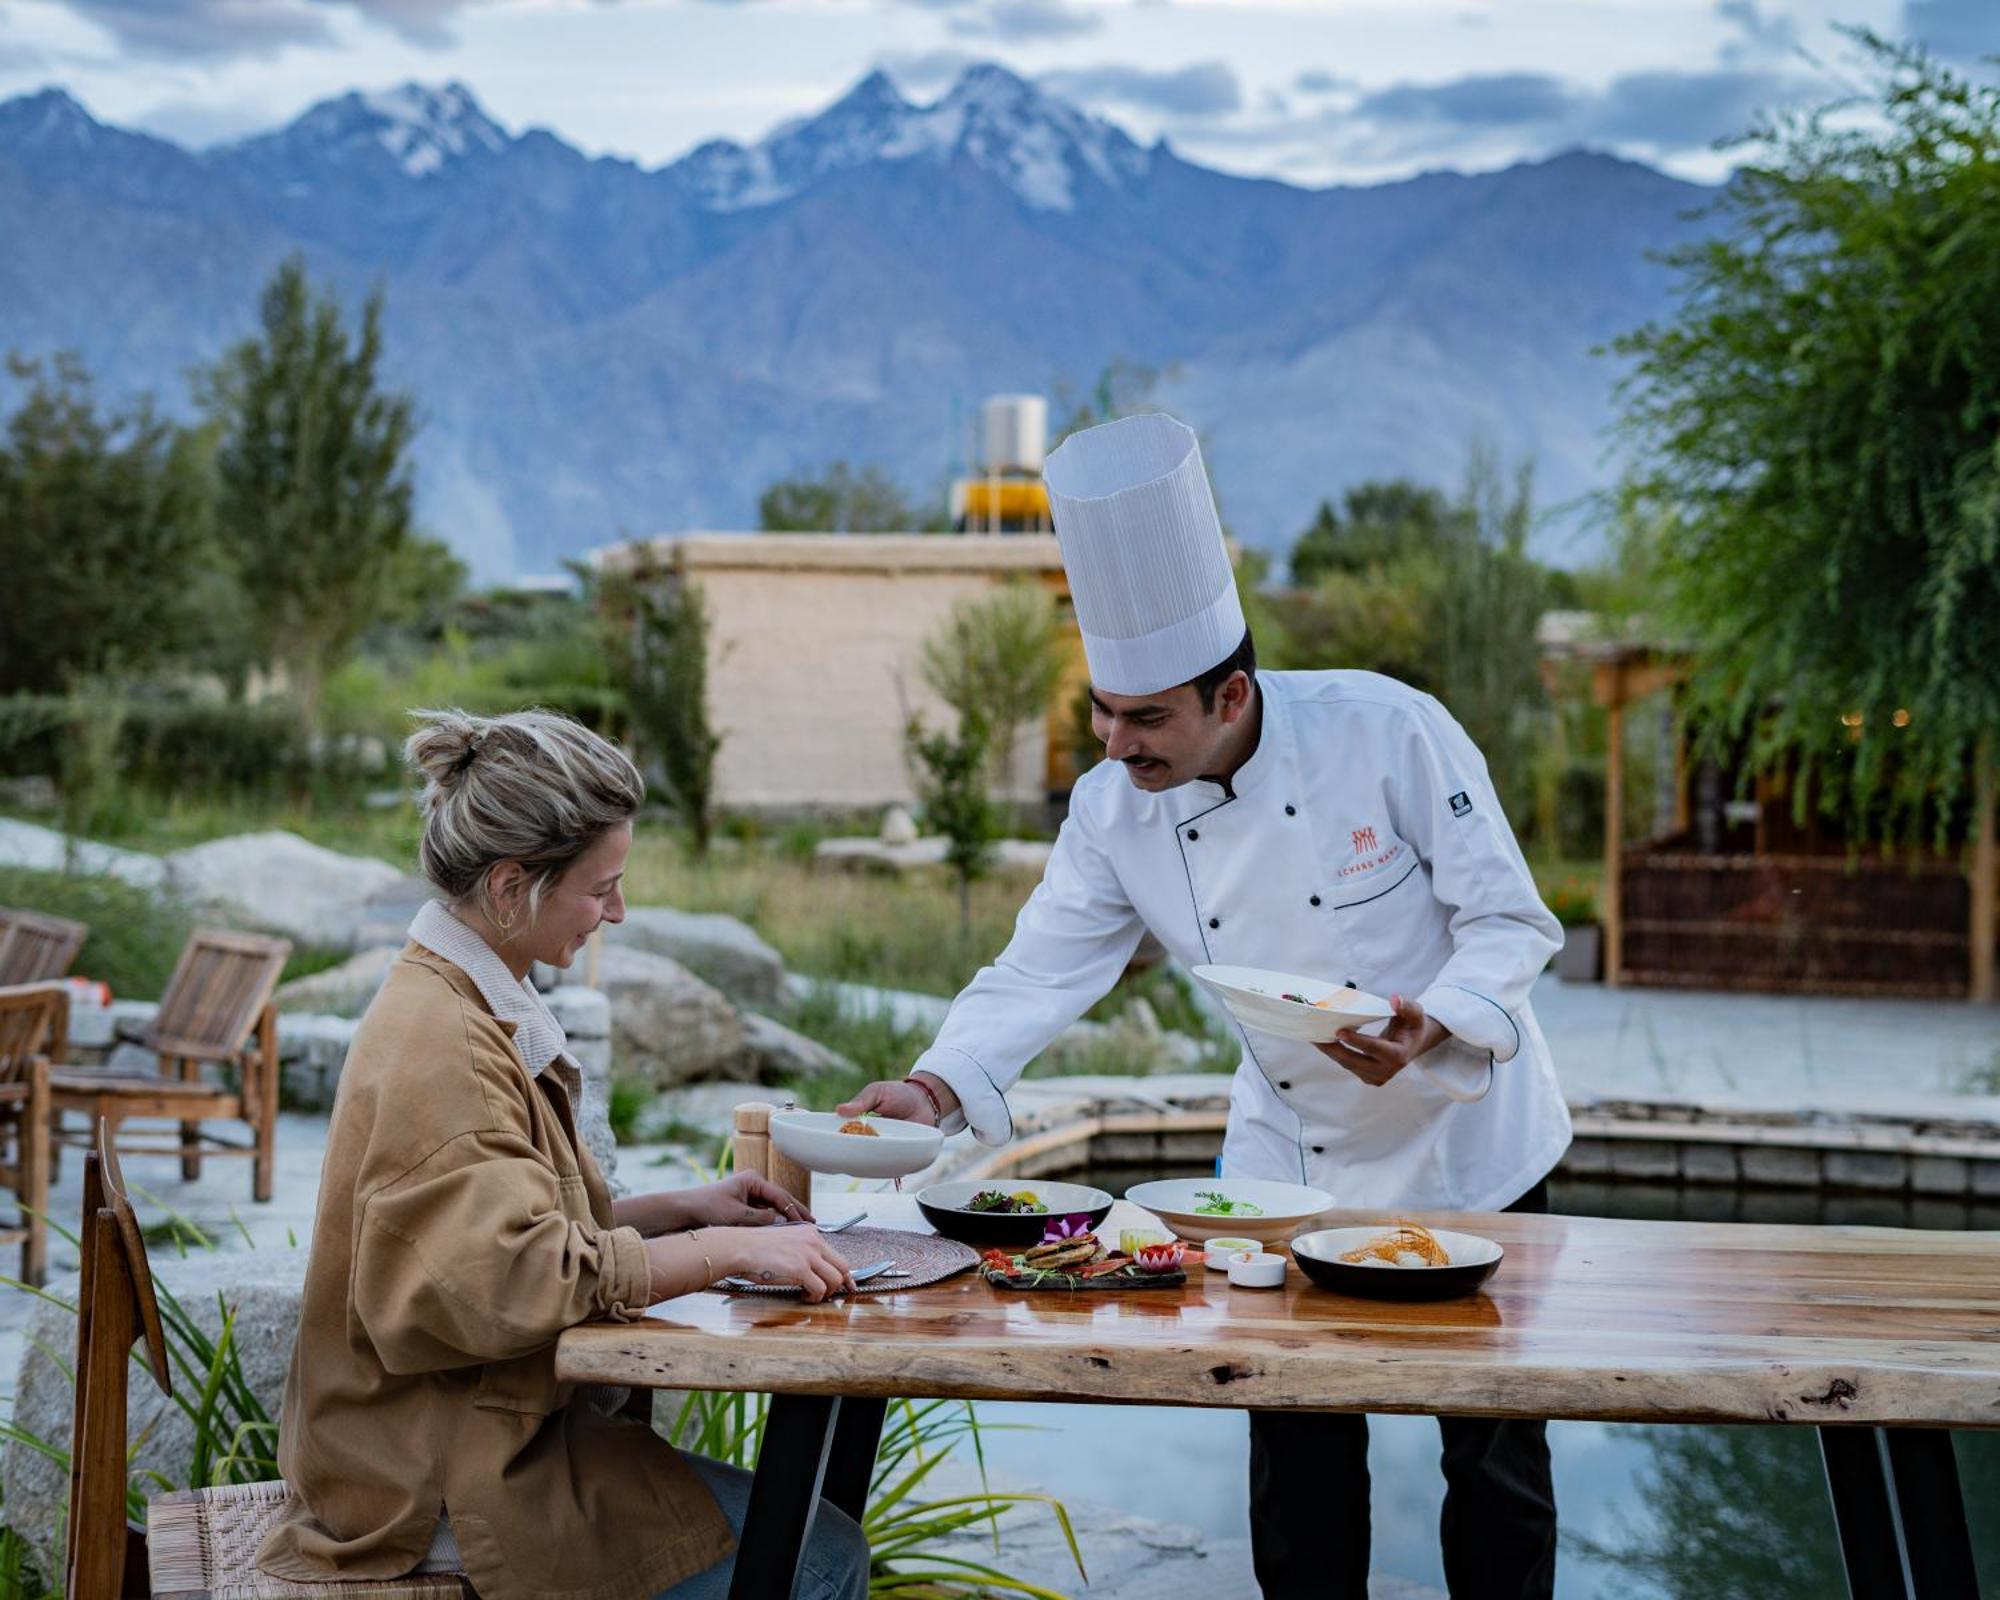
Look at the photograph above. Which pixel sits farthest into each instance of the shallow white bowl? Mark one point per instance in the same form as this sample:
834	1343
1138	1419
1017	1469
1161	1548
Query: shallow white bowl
1252	995
814	1140
1285	1207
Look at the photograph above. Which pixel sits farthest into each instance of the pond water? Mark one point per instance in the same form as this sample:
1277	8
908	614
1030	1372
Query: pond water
1649	1513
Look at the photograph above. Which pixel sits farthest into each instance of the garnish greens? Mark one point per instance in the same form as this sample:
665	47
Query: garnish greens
1216	1204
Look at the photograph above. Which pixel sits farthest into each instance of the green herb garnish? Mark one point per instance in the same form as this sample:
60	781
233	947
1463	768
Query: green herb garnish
1216	1204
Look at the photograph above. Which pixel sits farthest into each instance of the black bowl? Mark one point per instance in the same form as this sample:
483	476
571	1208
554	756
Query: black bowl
943	1206
1474	1260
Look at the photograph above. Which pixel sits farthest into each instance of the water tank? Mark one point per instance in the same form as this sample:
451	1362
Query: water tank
1014	432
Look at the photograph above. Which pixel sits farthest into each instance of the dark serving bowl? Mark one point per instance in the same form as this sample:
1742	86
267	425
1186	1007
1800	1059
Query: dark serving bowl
1473	1261
943	1206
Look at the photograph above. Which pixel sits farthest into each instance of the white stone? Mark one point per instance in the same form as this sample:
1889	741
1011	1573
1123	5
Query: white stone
898	826
667	1026
279	881
718	949
782	1054
23	844
344	990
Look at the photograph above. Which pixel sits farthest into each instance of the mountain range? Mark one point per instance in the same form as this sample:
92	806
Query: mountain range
600	349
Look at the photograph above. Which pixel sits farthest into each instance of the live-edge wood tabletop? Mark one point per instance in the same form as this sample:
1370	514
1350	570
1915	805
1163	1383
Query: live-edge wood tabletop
1586	1318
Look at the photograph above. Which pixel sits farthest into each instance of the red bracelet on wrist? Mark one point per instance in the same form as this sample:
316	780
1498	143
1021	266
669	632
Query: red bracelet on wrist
930	1094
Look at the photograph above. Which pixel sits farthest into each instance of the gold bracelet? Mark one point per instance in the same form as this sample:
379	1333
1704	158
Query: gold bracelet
707	1265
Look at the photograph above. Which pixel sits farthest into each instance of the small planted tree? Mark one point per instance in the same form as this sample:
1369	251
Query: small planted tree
999	658
657	634
951	772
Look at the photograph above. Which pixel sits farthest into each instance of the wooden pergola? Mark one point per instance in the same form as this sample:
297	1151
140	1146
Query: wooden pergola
1627	667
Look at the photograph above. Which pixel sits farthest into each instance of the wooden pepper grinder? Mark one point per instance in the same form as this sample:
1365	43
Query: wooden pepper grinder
756	1153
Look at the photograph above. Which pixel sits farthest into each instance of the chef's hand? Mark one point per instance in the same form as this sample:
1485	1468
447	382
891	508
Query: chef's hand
1378	1058
744	1200
905	1102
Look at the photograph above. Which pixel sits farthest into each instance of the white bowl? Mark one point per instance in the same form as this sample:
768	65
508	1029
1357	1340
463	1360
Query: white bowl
1283	1208
814	1140
1253	997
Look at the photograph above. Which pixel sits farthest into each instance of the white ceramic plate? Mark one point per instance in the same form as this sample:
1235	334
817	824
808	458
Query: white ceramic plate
1253	997
814	1140
1283	1208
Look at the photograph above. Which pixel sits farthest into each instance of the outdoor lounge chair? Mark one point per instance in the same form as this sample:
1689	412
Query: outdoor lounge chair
35	948
197	1543
217	1009
34	1024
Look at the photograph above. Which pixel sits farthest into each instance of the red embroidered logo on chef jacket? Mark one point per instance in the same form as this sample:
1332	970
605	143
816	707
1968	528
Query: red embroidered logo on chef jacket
1364	840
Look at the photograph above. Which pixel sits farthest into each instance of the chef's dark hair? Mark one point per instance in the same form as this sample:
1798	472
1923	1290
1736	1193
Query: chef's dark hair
1242	659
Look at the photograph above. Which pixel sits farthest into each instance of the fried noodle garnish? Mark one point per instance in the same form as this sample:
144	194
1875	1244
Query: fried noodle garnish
1406	1238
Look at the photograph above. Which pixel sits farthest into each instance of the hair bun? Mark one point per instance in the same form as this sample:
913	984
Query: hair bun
447	744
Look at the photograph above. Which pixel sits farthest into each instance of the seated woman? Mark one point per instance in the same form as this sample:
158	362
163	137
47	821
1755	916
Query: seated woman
462	1226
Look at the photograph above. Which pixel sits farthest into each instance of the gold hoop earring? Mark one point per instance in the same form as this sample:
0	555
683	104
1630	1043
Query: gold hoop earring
508	925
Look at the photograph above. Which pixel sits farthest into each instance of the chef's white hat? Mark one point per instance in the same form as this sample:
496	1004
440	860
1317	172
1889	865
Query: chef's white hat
1148	570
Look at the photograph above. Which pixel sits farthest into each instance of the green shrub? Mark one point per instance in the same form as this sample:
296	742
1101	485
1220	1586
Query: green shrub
135	937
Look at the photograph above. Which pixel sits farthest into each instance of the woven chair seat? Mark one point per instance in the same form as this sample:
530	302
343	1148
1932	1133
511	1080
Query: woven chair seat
203	1543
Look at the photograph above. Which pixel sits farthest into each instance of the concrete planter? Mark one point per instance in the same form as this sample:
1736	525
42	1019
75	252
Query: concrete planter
1581	959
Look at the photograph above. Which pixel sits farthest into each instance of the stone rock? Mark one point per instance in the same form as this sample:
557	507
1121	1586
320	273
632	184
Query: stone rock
667	1026
585	1015
263	1286
312	1049
342	991
898	827
781	1054
718	949
23	844
279	881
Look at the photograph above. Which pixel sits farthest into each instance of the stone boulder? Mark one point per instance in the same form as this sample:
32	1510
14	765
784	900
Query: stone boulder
718	949
780	1054
667	1026
342	991
282	882
263	1287
23	844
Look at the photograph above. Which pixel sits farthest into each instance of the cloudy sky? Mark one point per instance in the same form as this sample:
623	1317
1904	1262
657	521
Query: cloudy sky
1314	91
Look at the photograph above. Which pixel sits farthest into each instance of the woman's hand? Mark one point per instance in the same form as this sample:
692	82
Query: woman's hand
781	1255
743	1200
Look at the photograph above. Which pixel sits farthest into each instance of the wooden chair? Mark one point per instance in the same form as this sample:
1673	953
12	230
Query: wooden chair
34	1027
197	1543
35	948
217	1008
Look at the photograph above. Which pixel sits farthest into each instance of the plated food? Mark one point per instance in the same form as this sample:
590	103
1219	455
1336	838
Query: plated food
1068	1258
1297	1008
1260	1210
824	1142
1405	1261
1007	1217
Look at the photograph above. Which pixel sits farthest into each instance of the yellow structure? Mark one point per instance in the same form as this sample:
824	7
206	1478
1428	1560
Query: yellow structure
813	650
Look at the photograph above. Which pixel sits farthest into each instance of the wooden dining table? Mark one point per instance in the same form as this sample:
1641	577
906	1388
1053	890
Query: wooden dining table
1882	1339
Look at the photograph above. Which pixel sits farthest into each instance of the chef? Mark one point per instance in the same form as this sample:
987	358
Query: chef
1338	825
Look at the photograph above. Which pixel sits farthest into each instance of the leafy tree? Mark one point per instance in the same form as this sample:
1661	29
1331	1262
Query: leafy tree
657	634
1000	656
1380	521
1819	420
840	500
314	490
1121	388
950	770
104	535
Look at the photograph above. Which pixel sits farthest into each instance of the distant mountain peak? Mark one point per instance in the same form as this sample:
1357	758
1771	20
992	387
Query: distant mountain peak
1038	145
47	118
421	129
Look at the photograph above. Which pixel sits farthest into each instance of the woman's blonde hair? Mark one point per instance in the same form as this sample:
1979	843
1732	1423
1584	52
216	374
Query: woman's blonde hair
532	786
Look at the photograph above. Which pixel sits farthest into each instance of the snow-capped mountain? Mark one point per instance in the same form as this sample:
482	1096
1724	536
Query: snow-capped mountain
1042	149
596	348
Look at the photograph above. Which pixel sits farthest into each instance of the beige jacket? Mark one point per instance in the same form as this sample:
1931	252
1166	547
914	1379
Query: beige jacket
462	1226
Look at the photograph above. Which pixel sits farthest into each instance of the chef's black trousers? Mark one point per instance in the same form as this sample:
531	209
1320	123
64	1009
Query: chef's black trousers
1309	1501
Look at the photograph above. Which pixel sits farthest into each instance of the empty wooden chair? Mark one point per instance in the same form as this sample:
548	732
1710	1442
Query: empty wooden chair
35	948
216	1011
34	1025
197	1543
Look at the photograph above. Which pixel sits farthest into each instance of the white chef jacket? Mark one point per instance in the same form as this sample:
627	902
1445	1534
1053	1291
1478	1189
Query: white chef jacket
1362	842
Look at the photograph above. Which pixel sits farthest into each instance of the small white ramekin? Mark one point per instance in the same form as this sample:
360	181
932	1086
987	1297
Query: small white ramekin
1260	1271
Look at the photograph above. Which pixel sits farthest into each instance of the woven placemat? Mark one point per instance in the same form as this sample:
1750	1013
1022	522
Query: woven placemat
926	1257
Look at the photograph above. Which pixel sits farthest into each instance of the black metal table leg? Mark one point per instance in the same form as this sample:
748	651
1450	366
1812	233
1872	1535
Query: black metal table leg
784	1495
1864	1512
1937	1543
850	1468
